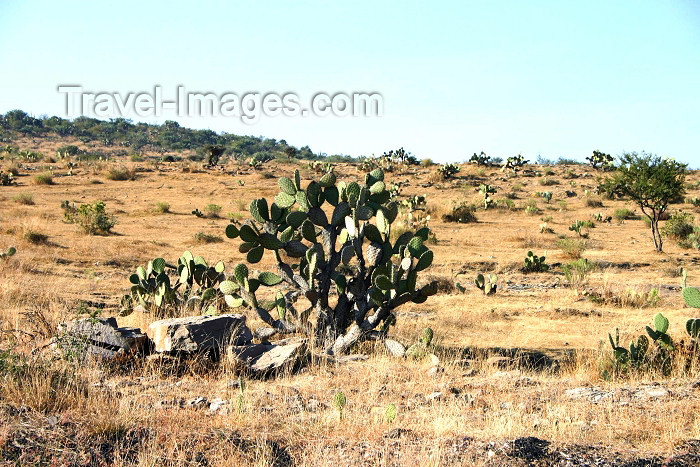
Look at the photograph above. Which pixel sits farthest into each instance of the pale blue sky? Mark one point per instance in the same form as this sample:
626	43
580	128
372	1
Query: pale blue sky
556	78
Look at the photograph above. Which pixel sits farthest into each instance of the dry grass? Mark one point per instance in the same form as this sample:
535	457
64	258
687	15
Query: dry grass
127	408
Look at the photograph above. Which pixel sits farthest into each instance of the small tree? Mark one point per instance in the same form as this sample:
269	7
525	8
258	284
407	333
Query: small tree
650	181
212	154
340	263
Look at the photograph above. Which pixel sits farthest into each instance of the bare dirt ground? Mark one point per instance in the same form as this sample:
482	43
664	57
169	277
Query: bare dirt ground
517	379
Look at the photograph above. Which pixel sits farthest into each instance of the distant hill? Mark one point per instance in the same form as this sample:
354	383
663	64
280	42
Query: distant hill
136	138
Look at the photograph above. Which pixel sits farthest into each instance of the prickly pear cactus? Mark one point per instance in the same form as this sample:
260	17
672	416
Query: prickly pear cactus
691	296
489	288
10	252
330	236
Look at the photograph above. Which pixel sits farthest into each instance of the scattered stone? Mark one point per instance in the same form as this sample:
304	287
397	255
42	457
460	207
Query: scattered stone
434	396
263	359
529	448
434	360
313	405
219	405
283	355
651	393
395	348
197	402
265	332
397	433
433	372
101	337
199	333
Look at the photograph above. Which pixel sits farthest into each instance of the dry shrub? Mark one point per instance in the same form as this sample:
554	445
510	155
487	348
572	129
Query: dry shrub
42	388
120	173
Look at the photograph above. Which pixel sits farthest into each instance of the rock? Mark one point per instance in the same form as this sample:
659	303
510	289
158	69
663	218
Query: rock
199	333
283	355
395	348
101	337
197	402
433	372
263	359
593	394
219	405
265	332
651	393
434	360
434	396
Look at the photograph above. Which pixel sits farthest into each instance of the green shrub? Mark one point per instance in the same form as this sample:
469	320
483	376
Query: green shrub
544	181
163	207
573	248
212	210
532	208
35	237
462	213
576	272
45	178
204	238
623	214
679	226
120	173
92	218
24	198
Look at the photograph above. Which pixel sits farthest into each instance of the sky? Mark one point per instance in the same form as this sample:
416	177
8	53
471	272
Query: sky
541	78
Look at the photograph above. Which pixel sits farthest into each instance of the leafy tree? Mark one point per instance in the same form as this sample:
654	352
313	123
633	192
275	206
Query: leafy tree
650	181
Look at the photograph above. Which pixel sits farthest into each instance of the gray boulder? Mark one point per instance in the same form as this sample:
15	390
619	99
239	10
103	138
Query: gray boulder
100	337
265	359
199	333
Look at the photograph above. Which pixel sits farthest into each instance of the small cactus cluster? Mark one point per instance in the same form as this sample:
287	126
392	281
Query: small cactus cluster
534	263
640	356
601	218
691	297
666	353
448	170
413	212
488	287
419	350
255	163
486	191
634	357
600	160
547	195
320	166
578	227
400	156
6	179
195	286
481	159
514	163
10	252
